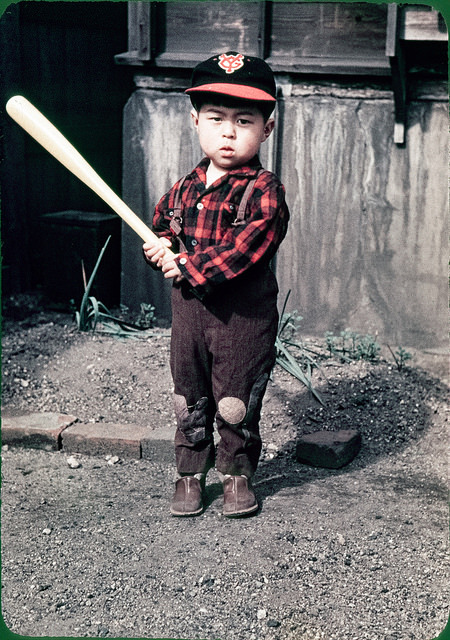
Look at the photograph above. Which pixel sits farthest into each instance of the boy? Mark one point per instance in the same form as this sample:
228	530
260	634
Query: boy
224	295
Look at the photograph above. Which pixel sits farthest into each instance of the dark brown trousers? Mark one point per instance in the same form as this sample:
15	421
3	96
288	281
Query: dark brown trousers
222	351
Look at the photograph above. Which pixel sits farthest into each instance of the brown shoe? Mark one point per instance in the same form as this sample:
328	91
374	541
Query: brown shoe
187	499
238	497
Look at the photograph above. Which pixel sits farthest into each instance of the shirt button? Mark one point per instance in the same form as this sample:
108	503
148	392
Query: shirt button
183	260
194	243
170	213
200	206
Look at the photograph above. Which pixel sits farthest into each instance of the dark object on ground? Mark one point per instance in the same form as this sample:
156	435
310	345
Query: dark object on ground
329	449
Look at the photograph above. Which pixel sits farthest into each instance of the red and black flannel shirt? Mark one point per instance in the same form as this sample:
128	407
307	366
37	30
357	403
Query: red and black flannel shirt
217	251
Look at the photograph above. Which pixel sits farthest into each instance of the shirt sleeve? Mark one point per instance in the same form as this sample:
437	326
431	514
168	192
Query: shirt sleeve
242	246
160	222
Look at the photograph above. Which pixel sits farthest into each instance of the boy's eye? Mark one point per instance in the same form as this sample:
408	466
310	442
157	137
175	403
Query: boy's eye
243	121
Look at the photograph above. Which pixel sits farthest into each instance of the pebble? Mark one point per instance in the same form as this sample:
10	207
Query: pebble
112	459
22	382
208	582
261	614
273	623
46	531
73	462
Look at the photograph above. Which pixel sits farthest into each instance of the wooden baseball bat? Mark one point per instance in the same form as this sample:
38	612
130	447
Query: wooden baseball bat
44	132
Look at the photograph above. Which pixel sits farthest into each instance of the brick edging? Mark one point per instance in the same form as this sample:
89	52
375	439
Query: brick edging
60	432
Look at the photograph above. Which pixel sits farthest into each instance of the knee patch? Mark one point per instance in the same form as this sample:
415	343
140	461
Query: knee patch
192	421
232	410
256	398
180	406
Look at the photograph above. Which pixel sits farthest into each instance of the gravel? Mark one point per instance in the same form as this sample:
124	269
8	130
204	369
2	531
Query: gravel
90	550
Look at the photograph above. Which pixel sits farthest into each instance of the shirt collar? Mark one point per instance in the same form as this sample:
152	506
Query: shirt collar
248	170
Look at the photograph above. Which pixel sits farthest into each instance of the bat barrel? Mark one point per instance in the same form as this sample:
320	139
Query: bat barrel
47	135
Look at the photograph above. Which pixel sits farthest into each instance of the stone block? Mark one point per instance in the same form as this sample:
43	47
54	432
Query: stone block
328	449
36	430
99	438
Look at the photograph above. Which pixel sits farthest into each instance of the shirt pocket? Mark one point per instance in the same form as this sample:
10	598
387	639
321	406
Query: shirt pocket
229	211
172	216
167	217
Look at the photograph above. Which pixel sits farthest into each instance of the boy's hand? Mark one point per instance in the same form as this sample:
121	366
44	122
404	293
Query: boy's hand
154	252
170	268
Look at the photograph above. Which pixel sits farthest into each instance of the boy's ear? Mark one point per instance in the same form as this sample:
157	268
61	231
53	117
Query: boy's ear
268	127
194	116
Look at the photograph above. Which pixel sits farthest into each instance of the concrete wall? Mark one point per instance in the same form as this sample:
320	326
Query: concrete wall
367	245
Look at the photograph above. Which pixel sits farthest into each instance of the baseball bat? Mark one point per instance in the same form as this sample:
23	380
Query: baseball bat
44	132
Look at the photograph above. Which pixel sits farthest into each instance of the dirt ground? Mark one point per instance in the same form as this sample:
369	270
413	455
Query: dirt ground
349	554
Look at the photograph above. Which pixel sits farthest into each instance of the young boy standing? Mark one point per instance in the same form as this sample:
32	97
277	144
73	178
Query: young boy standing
225	221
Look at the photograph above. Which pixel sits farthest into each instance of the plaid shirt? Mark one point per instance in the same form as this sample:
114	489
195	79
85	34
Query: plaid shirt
217	251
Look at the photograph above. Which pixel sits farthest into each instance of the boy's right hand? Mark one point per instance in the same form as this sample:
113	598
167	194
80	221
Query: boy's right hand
154	252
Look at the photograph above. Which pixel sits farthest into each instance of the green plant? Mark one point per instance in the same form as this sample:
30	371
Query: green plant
401	356
88	315
95	316
287	327
147	316
368	348
349	345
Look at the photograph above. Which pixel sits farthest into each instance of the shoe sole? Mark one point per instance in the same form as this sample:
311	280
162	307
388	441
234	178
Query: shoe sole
240	514
184	514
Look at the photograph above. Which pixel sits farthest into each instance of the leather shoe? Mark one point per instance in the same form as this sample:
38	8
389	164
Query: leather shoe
187	499
238	497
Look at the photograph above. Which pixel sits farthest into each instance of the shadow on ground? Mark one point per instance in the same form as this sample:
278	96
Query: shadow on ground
389	408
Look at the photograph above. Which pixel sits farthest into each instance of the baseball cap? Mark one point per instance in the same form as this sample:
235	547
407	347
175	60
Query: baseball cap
235	74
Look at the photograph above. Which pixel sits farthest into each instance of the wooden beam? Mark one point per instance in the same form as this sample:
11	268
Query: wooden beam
265	28
394	52
144	33
423	24
328	65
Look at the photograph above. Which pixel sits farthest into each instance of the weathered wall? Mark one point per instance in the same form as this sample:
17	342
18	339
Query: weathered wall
367	244
160	146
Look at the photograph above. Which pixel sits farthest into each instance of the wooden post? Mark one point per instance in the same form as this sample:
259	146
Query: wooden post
394	52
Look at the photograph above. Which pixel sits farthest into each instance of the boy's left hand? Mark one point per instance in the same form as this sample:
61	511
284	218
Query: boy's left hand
170	268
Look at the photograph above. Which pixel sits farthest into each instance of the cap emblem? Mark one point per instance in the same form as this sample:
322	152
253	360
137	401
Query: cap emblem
230	62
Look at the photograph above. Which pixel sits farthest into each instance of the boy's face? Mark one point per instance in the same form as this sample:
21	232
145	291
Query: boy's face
230	136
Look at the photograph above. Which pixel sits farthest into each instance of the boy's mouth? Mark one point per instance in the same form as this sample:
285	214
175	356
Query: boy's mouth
227	151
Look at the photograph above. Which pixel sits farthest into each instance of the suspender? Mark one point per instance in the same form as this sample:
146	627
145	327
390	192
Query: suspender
240	217
177	219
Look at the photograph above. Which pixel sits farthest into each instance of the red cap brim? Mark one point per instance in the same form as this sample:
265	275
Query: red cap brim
234	90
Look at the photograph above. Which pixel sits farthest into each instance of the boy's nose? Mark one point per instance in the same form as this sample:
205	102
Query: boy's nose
228	130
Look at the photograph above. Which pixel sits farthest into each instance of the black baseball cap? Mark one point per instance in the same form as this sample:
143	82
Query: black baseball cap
234	74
